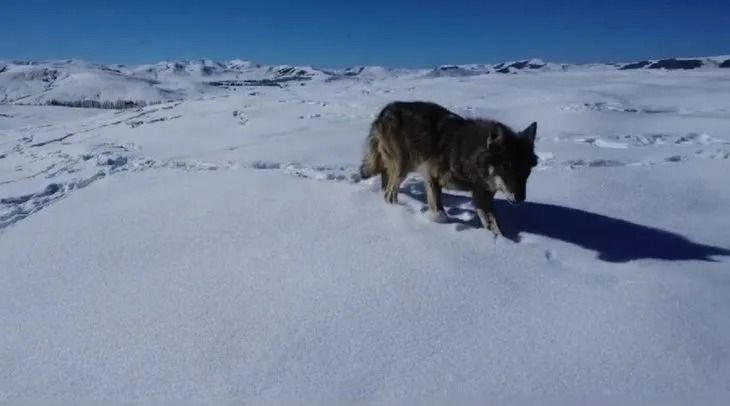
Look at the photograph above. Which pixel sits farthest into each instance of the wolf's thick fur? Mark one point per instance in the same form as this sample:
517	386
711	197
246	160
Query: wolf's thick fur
481	156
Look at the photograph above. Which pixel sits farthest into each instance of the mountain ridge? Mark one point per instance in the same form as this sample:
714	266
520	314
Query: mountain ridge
75	82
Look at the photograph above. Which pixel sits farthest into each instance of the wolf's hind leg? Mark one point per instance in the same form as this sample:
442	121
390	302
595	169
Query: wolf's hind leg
391	192
395	177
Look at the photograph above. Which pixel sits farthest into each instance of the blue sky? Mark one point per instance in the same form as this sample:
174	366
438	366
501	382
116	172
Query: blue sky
376	32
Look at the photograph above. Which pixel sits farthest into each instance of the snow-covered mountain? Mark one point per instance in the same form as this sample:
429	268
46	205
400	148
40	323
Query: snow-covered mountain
85	84
72	81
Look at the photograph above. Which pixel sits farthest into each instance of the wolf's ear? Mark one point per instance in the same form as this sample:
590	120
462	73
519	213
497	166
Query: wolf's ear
495	137
531	132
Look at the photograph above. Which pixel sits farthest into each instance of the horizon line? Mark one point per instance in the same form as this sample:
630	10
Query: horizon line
719	56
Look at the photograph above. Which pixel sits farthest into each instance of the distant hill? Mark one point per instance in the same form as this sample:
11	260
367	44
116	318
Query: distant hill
82	84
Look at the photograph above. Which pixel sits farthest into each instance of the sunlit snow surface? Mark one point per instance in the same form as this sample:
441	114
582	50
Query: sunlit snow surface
220	248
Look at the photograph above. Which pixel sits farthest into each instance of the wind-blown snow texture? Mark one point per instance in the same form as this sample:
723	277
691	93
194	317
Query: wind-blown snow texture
221	248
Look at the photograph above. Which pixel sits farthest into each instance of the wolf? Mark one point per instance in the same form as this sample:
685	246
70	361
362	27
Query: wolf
478	155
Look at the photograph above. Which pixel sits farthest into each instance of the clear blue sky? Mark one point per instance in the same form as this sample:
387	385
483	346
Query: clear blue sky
340	33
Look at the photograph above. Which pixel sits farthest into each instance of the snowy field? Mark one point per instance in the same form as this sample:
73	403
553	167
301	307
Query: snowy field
220	248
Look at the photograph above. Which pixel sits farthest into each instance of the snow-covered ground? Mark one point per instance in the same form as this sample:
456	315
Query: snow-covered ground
220	248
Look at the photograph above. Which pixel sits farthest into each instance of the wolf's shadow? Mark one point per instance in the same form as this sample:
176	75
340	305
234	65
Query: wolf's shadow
614	240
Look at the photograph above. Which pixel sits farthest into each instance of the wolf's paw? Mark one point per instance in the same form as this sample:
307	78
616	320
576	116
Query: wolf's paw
493	237
508	238
438	217
494	230
391	197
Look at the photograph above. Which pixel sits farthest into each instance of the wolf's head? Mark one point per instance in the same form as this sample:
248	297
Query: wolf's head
510	159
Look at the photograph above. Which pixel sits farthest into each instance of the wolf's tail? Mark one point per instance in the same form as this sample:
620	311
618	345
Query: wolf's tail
372	163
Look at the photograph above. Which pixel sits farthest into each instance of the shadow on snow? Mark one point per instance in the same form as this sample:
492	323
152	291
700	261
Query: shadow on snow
613	239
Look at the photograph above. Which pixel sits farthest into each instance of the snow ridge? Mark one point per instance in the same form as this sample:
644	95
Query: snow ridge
75	82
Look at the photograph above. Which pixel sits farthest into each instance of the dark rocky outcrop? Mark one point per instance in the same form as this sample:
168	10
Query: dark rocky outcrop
676	64
635	65
524	64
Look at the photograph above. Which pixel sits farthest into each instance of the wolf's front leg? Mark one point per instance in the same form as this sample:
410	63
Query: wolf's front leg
483	202
433	195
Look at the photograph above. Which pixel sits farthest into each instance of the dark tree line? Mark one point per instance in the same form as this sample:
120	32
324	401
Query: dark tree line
94	104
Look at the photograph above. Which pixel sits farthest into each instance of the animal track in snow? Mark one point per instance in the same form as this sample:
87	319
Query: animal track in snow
317	172
109	159
551	256
607	106
596	163
573	164
137	123
132	121
101	161
601	143
14	209
314	102
715	154
315	115
644	140
161	119
241	117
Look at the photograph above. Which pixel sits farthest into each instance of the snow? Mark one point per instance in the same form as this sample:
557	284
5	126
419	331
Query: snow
221	249
40	82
